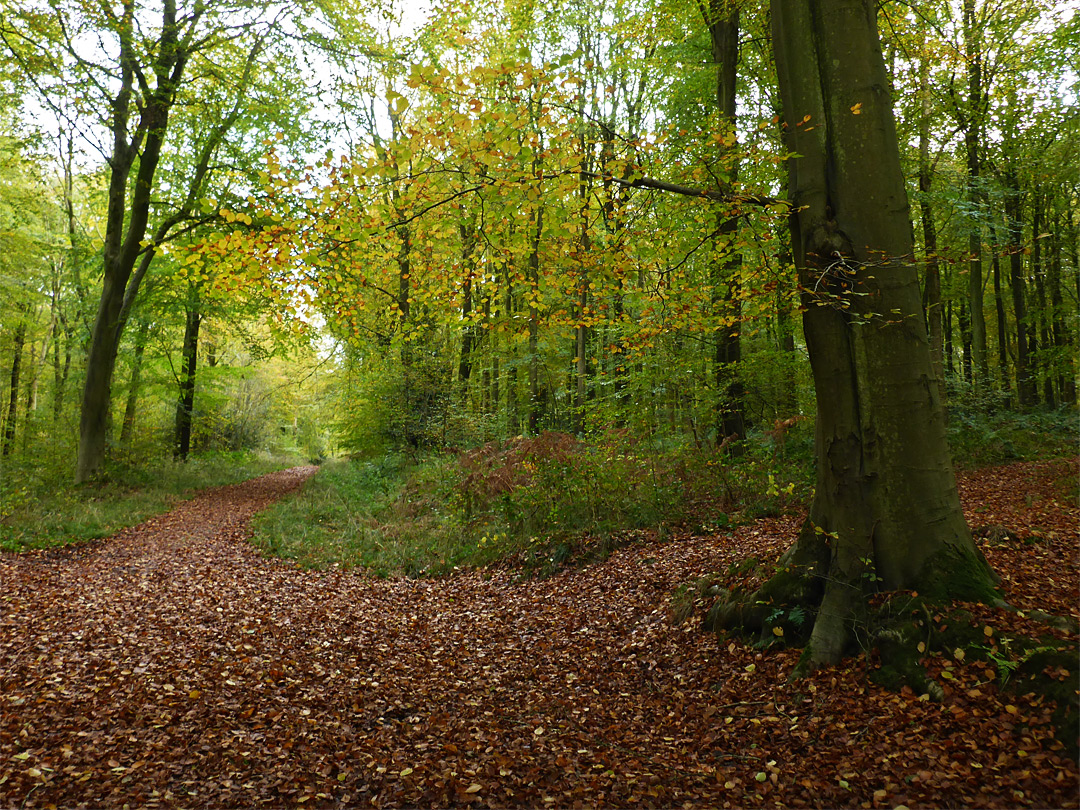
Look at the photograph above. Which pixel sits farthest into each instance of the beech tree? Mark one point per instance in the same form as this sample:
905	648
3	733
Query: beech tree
886	513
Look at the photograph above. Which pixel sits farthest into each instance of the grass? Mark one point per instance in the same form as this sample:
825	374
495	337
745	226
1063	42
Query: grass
40	506
538	504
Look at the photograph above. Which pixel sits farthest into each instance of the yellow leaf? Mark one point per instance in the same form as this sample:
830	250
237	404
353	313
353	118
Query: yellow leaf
473	788
922	646
194	694
988	631
406	771
538	730
778	631
856	109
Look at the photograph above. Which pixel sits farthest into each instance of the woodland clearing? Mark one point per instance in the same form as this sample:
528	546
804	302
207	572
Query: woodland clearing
172	665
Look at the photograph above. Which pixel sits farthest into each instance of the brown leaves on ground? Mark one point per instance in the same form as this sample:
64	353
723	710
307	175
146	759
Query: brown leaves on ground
173	666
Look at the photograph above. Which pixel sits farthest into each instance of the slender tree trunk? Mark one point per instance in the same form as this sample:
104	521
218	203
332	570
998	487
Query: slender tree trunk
512	358
964	319
1043	355
11	419
533	294
949	339
999	307
185	405
722	17
1025	382
468	332
932	271
886	501
61	371
127	428
972	145
1063	356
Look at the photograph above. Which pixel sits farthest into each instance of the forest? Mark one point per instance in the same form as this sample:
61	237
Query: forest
671	372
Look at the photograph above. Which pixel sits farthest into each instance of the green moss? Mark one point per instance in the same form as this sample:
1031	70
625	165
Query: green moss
955	574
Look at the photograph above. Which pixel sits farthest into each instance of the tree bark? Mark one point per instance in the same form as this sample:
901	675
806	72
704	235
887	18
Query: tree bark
126	221
185	404
999	310
127	428
886	512
1063	356
1042	355
723	19
533	294
932	272
12	416
972	146
1025	382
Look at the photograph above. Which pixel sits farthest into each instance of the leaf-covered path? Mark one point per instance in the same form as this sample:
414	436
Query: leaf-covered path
174	666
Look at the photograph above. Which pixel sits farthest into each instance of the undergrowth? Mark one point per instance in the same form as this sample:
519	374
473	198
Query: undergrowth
536	503
41	507
978	438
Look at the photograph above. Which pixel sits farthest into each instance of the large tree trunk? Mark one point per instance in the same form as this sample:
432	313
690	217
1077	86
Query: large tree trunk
886	513
126	223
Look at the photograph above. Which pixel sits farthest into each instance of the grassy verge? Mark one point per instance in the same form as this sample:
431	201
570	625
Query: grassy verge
40	507
537	503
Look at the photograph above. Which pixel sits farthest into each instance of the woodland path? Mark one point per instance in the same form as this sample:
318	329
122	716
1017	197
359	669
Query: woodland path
173	666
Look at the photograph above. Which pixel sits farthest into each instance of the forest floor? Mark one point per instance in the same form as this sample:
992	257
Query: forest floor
172	665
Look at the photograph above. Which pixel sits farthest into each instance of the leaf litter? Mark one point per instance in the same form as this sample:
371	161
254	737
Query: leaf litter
173	666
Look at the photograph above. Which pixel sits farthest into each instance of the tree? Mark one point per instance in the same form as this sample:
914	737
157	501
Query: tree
886	513
134	84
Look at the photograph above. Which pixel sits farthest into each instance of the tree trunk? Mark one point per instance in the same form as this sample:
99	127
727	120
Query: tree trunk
886	512
999	308
11	419
949	366
723	20
972	146
964	321
533	294
1042	357
127	429
1063	356
1025	382
512	359
126	222
932	273
468	332
185	404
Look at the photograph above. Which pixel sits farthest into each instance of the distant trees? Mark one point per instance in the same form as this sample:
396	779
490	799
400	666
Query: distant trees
478	210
